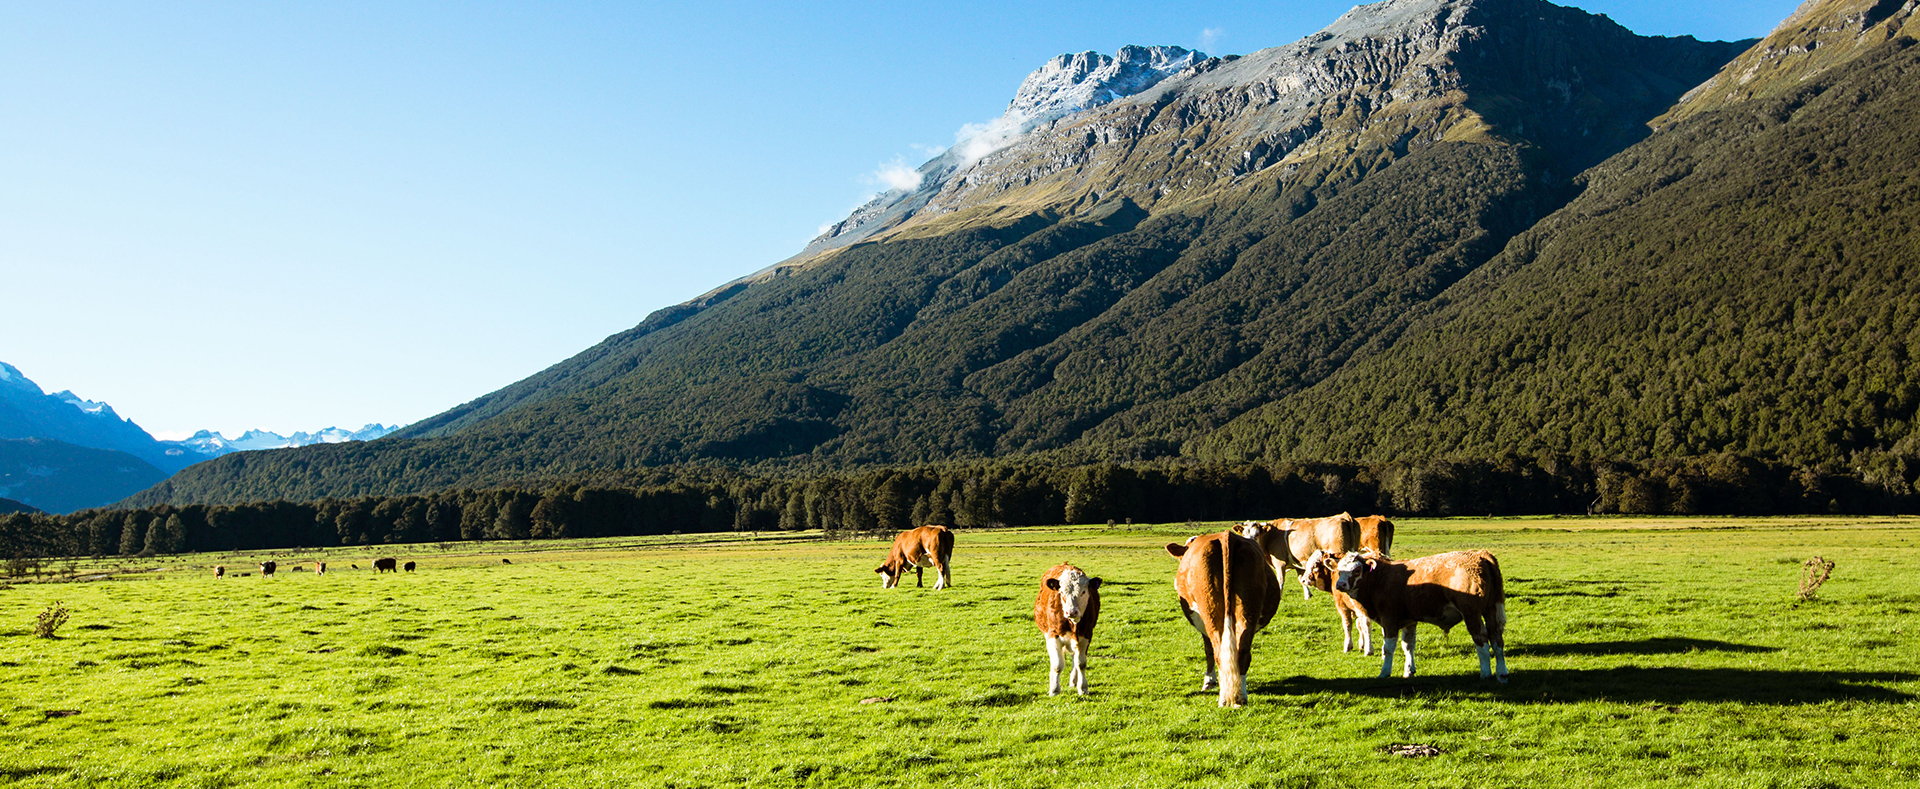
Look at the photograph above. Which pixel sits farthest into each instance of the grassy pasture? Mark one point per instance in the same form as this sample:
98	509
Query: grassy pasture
1644	651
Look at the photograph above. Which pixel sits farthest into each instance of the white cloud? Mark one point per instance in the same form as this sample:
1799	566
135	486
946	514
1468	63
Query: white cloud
896	174
975	140
1208	38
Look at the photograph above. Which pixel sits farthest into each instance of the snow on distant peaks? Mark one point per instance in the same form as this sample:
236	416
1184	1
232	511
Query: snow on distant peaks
93	407
212	443
1068	84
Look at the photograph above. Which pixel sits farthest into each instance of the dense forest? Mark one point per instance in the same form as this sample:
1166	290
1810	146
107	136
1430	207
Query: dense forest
984	495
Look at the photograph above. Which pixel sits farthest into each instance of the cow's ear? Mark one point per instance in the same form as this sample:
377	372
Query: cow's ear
1176	549
1373	564
1093	584
882	569
1054	584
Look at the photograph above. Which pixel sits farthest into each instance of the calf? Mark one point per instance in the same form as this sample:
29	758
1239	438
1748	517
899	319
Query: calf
267	568
384	564
1228	593
1288	543
927	546
1317	572
408	567
1065	612
1444	589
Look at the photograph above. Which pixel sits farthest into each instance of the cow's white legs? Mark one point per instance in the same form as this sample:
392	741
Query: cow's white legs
1080	646
1386	656
940	582
1054	647
1206	645
1486	665
1497	633
1406	646
1366	633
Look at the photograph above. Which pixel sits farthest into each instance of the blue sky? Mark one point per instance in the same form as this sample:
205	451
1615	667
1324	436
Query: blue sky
290	216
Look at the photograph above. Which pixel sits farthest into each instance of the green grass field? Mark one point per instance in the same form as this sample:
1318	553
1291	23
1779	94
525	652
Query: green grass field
1643	651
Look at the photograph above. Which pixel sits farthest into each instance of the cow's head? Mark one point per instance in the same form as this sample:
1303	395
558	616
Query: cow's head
1318	572
1076	592
1353	567
889	575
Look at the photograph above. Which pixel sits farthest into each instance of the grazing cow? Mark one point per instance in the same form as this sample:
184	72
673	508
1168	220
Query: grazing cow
1444	589
319	568
219	571
1228	593
506	561
267	568
408	567
927	546
1288	543
384	565
1066	611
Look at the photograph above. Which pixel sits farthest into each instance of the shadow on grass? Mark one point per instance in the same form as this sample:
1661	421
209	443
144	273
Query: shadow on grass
1657	685
1646	646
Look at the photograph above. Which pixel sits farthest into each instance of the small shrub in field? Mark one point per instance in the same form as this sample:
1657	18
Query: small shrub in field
48	622
1817	572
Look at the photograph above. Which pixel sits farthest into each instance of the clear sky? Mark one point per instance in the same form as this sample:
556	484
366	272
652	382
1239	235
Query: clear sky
290	216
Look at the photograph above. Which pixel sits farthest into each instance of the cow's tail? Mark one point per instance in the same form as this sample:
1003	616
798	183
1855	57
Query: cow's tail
1232	681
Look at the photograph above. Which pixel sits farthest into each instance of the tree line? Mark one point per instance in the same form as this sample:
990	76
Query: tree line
981	495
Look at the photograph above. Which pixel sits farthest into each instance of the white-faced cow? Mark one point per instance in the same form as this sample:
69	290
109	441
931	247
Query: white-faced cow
1228	592
219	571
927	546
1288	543
319	568
1066	611
267	568
1444	590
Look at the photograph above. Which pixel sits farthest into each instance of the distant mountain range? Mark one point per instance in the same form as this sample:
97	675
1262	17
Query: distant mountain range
60	452
1435	229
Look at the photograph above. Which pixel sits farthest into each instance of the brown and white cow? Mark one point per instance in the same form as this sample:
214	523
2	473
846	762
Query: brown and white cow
1288	542
1228	592
267	568
1317	572
1444	590
319	568
927	546
384	564
1066	611
219	571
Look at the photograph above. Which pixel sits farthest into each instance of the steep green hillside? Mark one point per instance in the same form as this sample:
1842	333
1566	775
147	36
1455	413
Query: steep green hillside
1747	280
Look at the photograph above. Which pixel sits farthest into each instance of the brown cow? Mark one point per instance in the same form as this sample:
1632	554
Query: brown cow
1228	593
384	564
1066	611
408	566
1288	543
1444	589
319	568
267	568
927	546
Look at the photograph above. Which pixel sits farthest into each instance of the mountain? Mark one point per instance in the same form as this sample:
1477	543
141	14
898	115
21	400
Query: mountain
1743	282
208	444
8	506
59	477
28	412
1148	264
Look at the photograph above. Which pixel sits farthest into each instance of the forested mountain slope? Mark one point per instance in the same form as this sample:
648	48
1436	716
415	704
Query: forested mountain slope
1743	281
1109	284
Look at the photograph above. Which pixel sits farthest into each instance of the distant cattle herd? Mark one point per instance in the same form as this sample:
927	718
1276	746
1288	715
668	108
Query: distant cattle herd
1230	585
